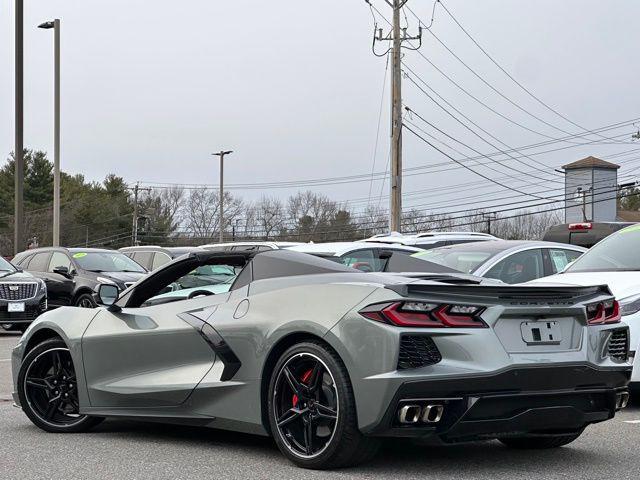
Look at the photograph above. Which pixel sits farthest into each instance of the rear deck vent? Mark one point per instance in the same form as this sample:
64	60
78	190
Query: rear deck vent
618	347
417	351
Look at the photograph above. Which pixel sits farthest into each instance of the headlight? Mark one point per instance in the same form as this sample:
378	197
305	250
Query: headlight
630	305
106	280
42	287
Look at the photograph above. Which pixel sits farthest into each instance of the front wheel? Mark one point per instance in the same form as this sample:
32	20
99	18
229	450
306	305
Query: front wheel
85	300
48	389
312	410
539	443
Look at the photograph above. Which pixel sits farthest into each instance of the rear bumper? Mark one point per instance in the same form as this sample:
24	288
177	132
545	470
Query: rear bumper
518	401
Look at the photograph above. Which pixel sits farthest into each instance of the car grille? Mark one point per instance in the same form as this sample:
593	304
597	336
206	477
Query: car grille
17	291
618	346
29	315
417	351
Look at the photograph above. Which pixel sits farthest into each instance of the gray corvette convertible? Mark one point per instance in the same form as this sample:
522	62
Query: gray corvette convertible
328	360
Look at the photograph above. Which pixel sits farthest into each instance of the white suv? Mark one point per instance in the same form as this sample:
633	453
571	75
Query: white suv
428	240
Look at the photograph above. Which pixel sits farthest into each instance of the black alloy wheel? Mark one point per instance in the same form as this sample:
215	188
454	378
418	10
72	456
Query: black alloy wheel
48	390
306	405
311	408
85	301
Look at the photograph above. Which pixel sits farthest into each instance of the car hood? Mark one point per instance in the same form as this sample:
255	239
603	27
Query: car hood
622	284
15	277
125	277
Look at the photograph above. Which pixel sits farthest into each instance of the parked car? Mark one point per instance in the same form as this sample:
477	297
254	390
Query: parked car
328	360
511	261
248	246
430	240
73	274
614	261
152	257
364	256
585	234
22	297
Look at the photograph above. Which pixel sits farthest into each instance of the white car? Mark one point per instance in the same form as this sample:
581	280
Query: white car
614	261
428	240
365	256
248	246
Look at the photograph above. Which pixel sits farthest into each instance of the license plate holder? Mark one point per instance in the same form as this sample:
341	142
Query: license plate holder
15	307
541	333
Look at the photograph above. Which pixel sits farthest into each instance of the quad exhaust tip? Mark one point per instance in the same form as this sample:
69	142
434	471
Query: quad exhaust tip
622	400
410	414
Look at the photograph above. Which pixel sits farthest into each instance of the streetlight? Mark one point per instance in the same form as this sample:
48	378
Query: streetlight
55	24
221	154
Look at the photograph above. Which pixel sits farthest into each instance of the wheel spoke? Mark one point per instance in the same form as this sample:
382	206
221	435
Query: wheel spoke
289	416
315	379
57	363
40	383
293	382
54	404
308	436
326	412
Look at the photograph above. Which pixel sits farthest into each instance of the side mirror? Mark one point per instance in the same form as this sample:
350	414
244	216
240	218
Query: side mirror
64	271
108	295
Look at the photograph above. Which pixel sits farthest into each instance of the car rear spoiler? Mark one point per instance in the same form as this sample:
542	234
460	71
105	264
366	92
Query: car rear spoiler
525	293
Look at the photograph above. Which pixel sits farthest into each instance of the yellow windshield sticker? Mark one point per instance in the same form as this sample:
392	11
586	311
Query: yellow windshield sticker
79	255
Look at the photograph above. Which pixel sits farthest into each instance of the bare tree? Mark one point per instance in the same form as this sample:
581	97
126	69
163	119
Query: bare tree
270	216
201	212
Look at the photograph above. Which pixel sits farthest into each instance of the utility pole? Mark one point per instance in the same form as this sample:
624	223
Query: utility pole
397	36
55	25
18	152
222	154
134	227
489	217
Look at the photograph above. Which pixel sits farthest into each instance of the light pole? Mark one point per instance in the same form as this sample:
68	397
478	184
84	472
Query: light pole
18	152
55	24
222	154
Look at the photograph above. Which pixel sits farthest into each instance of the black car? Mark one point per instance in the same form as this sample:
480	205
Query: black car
152	258
22	297
73	274
585	234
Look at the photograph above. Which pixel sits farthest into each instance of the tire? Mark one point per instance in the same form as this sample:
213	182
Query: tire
328	403
539	443
85	300
52	408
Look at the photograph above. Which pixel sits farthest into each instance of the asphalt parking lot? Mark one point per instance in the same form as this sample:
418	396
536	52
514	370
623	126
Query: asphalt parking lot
122	449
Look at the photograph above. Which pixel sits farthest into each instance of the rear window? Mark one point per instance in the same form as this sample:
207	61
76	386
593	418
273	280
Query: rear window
466	261
617	252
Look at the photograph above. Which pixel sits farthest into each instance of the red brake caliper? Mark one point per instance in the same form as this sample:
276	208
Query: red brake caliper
304	379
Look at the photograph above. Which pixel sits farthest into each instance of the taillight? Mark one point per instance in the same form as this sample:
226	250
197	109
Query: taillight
580	226
425	315
603	313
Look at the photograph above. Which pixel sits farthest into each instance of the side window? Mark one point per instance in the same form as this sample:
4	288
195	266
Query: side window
143	258
160	259
364	260
59	259
24	261
39	262
519	267
560	258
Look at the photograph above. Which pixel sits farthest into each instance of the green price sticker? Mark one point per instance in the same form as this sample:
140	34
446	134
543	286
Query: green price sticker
79	255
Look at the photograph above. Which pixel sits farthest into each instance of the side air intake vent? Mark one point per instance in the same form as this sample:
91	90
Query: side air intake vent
417	351
618	347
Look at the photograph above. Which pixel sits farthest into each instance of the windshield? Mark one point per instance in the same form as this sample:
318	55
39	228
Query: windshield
5	266
467	260
106	262
616	253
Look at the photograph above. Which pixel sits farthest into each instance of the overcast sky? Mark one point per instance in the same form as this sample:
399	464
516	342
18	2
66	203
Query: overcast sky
151	88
